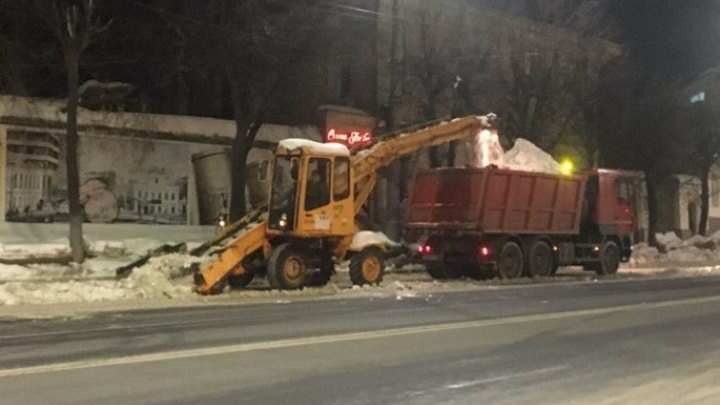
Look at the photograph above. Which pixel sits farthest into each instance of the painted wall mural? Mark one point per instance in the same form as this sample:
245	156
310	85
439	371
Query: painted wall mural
122	179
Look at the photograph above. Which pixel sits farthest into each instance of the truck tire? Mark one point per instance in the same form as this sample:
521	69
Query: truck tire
609	259
540	259
240	281
367	267
442	271
287	268
510	263
436	271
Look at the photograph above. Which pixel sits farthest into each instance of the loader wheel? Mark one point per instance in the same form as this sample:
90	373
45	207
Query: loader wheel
286	268
367	267
510	261
609	259
540	260
242	280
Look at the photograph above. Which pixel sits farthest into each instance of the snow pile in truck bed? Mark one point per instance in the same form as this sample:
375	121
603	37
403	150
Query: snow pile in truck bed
161	277
527	157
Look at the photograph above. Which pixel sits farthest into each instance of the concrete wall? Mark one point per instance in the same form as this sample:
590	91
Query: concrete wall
47	233
131	153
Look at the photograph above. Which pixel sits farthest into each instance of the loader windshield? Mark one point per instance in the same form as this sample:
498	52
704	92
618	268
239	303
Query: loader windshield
283	198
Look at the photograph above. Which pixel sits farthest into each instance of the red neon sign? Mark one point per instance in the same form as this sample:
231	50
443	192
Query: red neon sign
352	138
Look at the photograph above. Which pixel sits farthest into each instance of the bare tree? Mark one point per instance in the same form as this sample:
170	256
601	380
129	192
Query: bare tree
430	70
74	25
252	44
700	148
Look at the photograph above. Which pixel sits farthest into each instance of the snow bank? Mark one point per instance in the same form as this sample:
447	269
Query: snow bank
34	250
130	247
368	238
527	157
161	277
334	149
14	272
697	249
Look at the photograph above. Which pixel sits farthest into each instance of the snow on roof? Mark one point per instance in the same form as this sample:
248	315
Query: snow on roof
333	149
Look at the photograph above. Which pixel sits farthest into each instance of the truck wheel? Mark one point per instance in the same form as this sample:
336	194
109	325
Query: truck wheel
540	260
367	267
510	261
609	259
286	268
242	280
436	271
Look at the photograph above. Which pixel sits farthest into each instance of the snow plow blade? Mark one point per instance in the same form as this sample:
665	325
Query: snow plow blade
210	279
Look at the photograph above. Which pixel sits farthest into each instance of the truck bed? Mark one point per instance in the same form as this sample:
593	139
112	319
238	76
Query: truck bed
495	201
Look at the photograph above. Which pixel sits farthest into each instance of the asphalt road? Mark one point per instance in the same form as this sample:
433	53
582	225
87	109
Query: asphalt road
650	341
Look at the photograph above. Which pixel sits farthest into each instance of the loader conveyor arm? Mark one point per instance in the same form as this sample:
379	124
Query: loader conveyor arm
229	261
367	162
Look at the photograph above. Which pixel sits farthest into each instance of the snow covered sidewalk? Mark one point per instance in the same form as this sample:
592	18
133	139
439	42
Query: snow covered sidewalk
673	251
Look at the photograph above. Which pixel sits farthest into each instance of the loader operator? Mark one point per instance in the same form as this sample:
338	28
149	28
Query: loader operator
317	192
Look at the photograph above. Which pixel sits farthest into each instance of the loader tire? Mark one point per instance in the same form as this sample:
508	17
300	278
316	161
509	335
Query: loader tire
367	267
240	281
510	261
287	268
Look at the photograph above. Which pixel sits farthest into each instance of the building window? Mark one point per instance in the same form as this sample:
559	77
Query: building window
172	210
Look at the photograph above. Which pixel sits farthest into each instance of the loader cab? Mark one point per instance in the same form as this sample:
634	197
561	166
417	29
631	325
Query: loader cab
311	194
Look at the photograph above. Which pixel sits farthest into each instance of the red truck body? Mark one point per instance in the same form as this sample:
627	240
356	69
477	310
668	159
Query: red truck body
467	217
496	201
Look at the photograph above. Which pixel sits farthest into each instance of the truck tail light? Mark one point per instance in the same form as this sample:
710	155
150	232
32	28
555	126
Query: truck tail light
425	249
484	252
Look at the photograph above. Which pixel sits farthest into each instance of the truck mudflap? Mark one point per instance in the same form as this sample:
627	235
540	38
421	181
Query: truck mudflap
230	257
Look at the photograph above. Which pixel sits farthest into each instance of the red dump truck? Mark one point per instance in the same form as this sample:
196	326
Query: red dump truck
512	223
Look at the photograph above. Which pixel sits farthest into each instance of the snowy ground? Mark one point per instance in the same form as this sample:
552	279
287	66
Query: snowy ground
162	278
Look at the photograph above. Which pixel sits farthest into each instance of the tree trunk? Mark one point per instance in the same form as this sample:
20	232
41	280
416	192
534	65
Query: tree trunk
240	152
704	200
652	209
246	130
77	245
